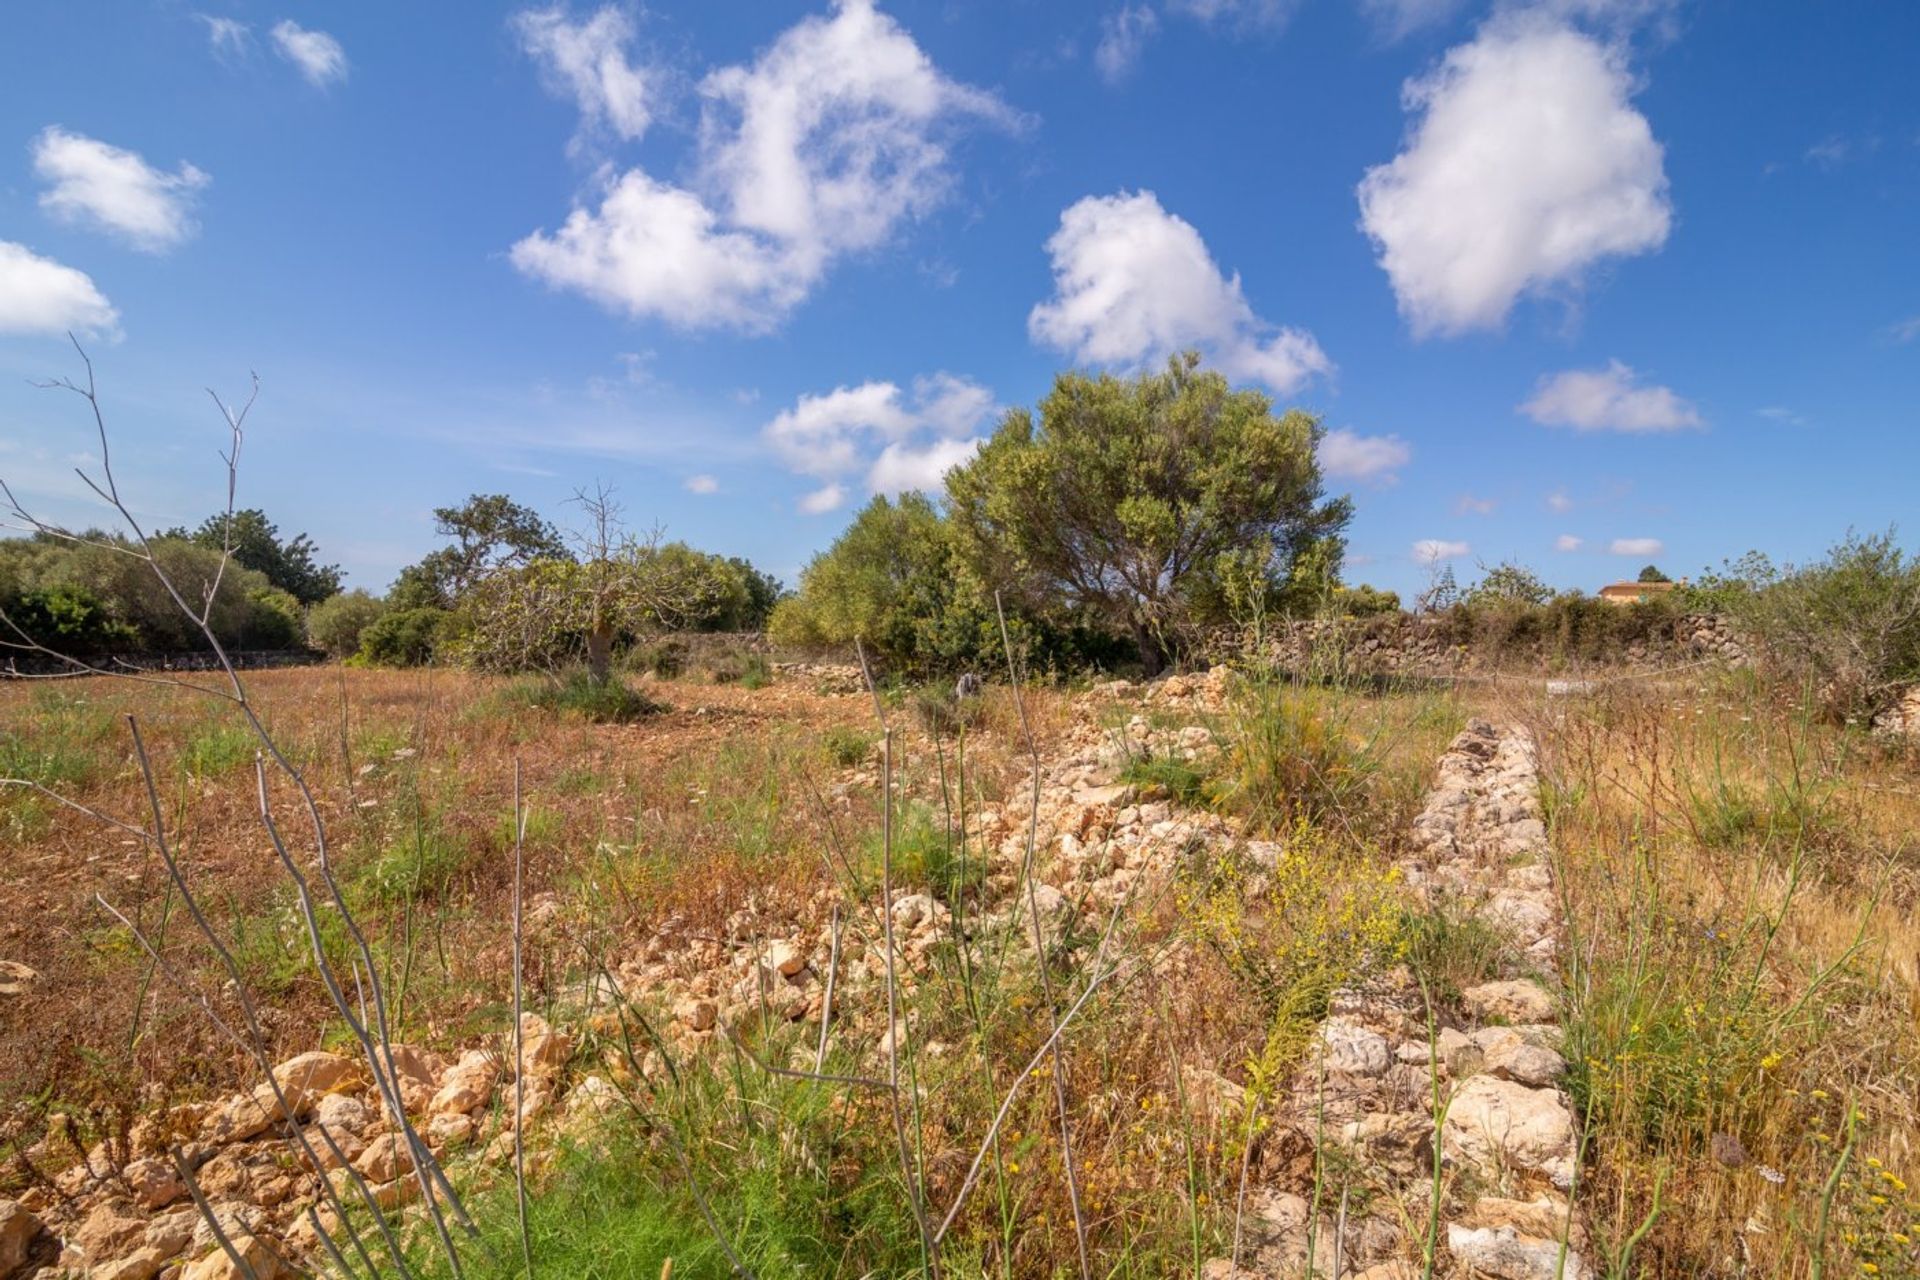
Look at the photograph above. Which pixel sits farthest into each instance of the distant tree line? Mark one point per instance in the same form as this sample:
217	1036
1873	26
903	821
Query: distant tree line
90	597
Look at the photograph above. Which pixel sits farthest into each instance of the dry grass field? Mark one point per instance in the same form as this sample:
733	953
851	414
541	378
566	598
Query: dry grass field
1737	986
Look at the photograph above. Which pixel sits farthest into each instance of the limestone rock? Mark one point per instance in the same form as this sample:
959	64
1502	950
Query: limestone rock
543	1048
786	959
1512	1000
18	1230
153	1181
451	1129
1352	1048
1496	1125
386	1158
260	1255
467	1085
1501	1253
696	1014
16	979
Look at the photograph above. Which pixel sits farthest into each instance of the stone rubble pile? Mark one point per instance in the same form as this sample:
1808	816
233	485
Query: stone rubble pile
133	1219
1385	1080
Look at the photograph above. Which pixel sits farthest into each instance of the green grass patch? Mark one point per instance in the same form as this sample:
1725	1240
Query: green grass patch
217	749
578	695
1176	779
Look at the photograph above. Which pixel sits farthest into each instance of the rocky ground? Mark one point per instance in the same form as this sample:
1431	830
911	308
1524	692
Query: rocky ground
1385	1080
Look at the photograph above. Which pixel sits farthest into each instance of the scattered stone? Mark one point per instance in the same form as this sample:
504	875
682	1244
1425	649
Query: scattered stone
1352	1048
153	1181
16	979
468	1084
543	1049
786	959
696	1014
386	1158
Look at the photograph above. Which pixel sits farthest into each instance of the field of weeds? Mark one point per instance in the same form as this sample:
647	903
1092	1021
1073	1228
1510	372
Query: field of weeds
1018	985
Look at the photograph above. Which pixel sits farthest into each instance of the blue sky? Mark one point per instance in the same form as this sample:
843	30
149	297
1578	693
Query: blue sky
1583	283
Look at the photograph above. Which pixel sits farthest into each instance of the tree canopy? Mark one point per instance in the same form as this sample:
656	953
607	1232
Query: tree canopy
256	544
1124	498
490	531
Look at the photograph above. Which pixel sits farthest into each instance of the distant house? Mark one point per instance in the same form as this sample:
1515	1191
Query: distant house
1634	592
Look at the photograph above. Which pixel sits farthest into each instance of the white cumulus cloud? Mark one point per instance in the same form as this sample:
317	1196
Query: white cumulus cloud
1559	502
587	61
108	187
901	467
318	55
896	440
824	146
41	296
1434	550
822	500
1636	546
1123	37
1528	164
1134	283
1345	454
1568	542
1607	399
702	484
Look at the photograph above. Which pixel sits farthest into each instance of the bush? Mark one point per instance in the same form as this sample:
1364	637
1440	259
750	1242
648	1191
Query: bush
336	624
68	620
1846	628
405	638
273	620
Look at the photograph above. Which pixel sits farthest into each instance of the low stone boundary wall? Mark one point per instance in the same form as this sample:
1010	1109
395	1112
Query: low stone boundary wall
15	666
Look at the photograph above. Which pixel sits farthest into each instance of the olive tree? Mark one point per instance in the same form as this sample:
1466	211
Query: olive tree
1122	495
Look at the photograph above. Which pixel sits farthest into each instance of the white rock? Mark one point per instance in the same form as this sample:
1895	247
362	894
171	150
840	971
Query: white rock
1497	1125
1501	1253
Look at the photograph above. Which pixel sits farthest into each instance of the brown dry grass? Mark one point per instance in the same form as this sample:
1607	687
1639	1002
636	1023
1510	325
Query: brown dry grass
724	795
1740	878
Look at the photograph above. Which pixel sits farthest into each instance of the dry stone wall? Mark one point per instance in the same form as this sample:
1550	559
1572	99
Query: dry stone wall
1394	1071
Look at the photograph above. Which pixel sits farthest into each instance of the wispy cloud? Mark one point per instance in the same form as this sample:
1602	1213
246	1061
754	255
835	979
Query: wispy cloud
319	56
1636	546
1568	542
1432	551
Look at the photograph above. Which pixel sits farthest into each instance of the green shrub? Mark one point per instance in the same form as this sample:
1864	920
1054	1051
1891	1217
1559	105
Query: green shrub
1846	628
69	620
336	624
405	638
847	747
1292	755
